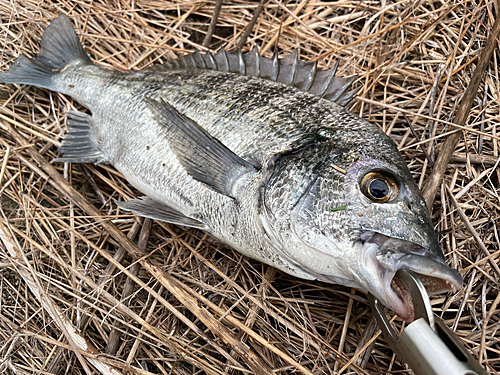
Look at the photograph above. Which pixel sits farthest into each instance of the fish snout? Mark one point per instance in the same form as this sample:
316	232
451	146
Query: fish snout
392	255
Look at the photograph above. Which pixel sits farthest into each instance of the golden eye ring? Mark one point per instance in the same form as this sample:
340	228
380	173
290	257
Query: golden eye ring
380	186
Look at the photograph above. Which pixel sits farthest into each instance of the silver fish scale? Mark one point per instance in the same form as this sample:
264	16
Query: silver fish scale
331	200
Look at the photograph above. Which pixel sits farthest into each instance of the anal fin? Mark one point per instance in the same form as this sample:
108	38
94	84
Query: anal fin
147	207
78	146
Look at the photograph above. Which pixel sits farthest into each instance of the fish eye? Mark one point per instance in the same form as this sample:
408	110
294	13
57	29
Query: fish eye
380	186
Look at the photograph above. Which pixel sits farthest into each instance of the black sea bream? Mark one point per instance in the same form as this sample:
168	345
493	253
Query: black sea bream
258	152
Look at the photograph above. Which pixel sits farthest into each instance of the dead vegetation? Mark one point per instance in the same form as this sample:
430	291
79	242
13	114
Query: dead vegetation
77	297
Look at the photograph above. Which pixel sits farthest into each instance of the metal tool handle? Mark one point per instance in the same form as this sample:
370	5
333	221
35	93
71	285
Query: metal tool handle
427	353
427	344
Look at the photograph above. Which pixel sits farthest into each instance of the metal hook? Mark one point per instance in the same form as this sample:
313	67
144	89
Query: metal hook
427	344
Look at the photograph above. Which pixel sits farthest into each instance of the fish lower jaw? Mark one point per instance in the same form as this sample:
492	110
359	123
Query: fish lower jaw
399	299
384	256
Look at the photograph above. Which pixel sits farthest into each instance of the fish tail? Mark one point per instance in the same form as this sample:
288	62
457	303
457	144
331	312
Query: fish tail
59	48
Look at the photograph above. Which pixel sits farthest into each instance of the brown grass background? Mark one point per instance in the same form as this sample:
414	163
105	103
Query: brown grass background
186	304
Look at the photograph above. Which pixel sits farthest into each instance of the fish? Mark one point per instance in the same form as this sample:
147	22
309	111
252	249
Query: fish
259	152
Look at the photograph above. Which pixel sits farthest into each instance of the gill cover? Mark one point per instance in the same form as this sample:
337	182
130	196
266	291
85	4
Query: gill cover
302	187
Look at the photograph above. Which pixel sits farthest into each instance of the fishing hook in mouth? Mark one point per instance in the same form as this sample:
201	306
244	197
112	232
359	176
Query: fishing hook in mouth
390	256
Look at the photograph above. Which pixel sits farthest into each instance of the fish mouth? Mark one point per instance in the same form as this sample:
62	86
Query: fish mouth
389	255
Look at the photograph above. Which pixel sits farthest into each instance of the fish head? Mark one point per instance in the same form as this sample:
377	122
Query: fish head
356	219
390	228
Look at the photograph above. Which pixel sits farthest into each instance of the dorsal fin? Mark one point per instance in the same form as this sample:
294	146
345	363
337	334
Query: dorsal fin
288	70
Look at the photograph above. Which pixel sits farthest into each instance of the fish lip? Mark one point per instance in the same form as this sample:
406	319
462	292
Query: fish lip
391	255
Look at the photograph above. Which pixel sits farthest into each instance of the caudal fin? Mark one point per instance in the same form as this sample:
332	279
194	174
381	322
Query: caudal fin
59	48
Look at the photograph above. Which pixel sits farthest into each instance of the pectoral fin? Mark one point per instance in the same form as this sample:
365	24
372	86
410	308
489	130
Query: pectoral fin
203	157
147	207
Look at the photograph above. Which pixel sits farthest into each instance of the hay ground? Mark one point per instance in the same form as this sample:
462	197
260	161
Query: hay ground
192	306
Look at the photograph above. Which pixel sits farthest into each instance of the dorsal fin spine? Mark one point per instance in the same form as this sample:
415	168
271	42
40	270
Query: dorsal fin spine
310	77
326	86
222	61
289	71
191	61
333	70
340	94
183	62
226	60
255	51
294	57
346	98
275	71
211	59
241	63
197	61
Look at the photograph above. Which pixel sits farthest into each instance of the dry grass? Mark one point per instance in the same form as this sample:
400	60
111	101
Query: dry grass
191	301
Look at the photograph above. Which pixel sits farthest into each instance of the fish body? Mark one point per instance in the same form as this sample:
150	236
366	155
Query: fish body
280	173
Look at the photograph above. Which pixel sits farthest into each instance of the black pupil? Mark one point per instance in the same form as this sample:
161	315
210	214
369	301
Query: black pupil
379	189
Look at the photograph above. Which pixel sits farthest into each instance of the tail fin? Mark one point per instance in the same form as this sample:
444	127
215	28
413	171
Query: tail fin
59	48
